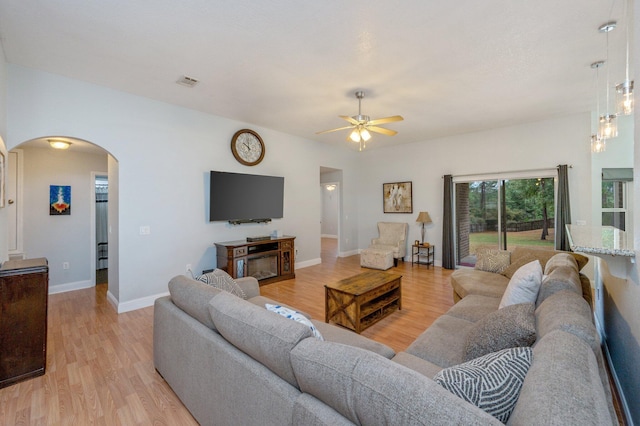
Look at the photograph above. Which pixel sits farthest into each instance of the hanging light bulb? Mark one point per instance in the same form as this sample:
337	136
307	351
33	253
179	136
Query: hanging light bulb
598	145
624	97
364	133
608	124
624	90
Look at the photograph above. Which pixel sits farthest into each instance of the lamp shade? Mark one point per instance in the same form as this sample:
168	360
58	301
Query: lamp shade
423	217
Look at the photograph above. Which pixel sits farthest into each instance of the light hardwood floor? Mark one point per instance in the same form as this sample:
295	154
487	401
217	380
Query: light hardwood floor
100	364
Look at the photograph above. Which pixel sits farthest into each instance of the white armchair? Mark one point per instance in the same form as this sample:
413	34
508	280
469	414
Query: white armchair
392	236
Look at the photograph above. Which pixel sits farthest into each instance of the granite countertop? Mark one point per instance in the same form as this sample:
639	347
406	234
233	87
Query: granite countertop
600	240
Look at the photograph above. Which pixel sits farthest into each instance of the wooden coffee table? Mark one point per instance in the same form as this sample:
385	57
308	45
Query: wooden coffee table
362	300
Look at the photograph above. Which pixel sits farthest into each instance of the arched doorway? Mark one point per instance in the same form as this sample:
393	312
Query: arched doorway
67	238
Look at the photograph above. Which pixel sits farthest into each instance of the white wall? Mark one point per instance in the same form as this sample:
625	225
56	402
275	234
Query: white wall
164	154
540	145
60	238
4	251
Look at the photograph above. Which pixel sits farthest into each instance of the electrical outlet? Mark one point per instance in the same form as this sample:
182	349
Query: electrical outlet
65	265
188	268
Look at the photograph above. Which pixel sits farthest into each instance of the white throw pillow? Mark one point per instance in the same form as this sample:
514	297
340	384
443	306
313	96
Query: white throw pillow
296	316
524	285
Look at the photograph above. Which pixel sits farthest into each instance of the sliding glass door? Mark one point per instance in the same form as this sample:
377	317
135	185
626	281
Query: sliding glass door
503	214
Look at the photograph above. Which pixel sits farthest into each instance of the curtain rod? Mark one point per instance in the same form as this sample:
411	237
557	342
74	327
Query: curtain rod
505	172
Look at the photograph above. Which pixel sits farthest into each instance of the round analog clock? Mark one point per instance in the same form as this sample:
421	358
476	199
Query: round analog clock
247	146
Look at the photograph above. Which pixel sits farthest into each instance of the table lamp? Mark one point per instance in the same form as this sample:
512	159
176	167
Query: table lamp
423	218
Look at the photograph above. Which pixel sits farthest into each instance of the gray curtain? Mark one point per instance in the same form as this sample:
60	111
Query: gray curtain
563	209
448	246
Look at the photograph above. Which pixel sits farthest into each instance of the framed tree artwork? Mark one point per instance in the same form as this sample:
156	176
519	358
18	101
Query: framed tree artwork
397	197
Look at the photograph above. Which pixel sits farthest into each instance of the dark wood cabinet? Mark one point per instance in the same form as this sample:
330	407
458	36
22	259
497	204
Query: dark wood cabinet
24	286
267	260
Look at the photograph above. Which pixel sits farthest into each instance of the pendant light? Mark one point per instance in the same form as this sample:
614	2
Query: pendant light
608	124
624	90
597	143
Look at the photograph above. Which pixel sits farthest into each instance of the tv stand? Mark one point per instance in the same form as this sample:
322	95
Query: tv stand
268	260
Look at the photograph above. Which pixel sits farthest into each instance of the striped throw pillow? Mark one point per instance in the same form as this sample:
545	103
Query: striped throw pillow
491	382
220	279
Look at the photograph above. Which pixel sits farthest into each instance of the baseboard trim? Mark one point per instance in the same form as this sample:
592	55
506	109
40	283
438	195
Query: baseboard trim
112	300
348	253
308	263
135	304
329	236
63	288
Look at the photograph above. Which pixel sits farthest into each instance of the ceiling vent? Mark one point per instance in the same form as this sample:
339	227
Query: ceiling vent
187	81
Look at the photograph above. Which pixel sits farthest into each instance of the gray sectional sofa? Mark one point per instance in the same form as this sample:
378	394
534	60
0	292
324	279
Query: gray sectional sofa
232	362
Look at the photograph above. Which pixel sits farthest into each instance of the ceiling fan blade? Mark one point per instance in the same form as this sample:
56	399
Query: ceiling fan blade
334	130
386	120
349	119
382	130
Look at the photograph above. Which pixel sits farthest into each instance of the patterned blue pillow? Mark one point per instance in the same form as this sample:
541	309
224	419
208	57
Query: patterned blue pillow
296	316
491	382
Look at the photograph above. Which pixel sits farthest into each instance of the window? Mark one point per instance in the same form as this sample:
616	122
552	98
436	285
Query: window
509	211
614	196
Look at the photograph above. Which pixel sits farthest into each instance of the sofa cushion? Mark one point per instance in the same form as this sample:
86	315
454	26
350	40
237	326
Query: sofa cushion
309	411
220	279
334	333
560	259
193	297
509	327
471	281
524	285
567	311
295	316
544	254
517	264
369	389
414	363
443	342
474	307
492	260
561	278
563	386
266	337
586	289
491	382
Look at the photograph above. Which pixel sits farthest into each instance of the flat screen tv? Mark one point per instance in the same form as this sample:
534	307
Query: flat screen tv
238	197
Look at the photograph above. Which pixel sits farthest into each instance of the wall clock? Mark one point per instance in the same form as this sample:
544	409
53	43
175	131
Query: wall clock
247	146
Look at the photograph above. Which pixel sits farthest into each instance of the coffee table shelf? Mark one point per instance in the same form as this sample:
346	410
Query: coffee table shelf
362	300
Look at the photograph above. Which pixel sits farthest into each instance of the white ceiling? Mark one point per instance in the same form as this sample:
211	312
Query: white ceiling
293	66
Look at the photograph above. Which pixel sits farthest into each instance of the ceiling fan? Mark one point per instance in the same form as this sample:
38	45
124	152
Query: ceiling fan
362	124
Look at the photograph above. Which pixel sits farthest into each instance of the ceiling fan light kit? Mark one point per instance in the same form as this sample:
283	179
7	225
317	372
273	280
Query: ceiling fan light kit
362	125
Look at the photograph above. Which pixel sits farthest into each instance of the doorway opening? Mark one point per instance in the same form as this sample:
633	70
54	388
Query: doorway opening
330	220
102	228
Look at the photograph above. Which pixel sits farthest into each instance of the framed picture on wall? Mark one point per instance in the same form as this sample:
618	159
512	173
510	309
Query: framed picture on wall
397	197
59	200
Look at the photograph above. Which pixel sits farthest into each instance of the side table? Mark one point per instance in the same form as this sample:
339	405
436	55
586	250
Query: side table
423	254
